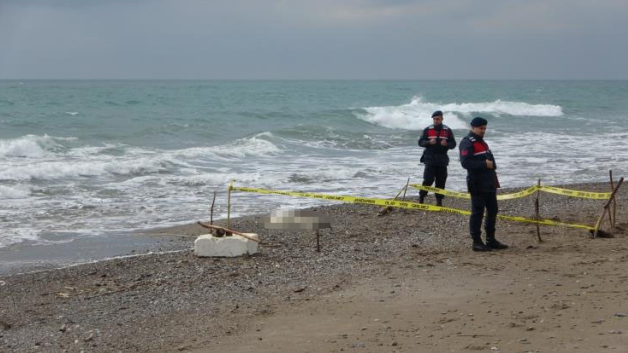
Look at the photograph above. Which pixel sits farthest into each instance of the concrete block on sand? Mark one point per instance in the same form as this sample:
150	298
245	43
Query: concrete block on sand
208	245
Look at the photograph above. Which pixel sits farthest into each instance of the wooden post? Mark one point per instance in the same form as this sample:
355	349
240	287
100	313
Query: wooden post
537	211
211	214
227	230
318	244
387	209
613	218
405	189
610	223
606	208
229	206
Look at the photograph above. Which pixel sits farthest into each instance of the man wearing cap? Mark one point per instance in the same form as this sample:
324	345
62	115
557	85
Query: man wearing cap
437	139
477	159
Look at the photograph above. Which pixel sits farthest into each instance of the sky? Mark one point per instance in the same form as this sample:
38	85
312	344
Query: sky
313	39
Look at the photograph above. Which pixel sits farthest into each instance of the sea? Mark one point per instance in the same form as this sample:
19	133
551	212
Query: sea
93	158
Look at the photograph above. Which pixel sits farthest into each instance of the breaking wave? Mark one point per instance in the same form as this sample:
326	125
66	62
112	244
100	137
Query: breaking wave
29	146
416	115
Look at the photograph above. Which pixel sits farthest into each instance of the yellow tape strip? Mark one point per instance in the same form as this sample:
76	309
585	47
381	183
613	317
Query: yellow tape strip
463	195
402	204
577	193
523	193
544	221
460	195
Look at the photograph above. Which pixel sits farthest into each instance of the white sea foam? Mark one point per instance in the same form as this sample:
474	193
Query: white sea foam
69	168
42	163
7	192
72	113
338	142
217	180
253	146
499	107
29	146
17	235
417	114
556	157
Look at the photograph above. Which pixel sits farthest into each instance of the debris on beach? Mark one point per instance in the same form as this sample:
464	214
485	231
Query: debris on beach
233	243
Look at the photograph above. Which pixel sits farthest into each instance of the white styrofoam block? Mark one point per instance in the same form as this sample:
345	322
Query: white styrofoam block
208	245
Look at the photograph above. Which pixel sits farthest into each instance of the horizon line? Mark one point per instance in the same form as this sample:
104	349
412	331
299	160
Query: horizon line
313	79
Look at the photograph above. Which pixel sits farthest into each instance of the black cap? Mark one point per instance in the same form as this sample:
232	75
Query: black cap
477	121
437	113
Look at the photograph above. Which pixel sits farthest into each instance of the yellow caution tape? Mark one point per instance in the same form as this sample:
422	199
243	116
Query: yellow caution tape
523	193
544	221
403	204
577	193
460	195
463	195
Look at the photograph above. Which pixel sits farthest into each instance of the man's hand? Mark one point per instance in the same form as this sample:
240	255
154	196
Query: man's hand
443	143
432	141
490	164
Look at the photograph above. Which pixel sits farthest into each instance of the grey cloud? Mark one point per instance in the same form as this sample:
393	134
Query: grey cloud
313	39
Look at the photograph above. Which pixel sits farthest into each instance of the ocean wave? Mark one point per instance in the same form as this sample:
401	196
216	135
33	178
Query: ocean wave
18	235
29	146
48	170
417	114
13	193
326	174
219	179
363	142
325	138
254	146
47	159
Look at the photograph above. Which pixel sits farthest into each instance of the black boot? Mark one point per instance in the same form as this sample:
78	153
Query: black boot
439	202
421	199
493	243
478	245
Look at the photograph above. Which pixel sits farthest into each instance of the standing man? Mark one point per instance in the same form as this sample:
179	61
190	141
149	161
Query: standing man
437	139
477	159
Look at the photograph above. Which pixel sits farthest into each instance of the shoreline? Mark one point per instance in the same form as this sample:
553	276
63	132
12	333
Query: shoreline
29	258
175	301
26	258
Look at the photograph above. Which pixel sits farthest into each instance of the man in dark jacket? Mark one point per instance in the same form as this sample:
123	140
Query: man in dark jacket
437	139
477	159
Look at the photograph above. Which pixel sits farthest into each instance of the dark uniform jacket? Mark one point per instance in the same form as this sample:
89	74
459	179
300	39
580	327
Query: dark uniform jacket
436	154
473	155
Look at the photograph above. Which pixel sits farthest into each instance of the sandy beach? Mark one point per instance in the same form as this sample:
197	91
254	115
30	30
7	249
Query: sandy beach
404	282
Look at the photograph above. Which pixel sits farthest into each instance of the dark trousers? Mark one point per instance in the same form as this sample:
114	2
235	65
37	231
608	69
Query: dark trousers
479	202
432	172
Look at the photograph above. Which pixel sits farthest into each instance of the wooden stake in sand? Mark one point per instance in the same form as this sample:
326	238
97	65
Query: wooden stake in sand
537	212
387	209
613	218
606	208
229	206
211	213
405	189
